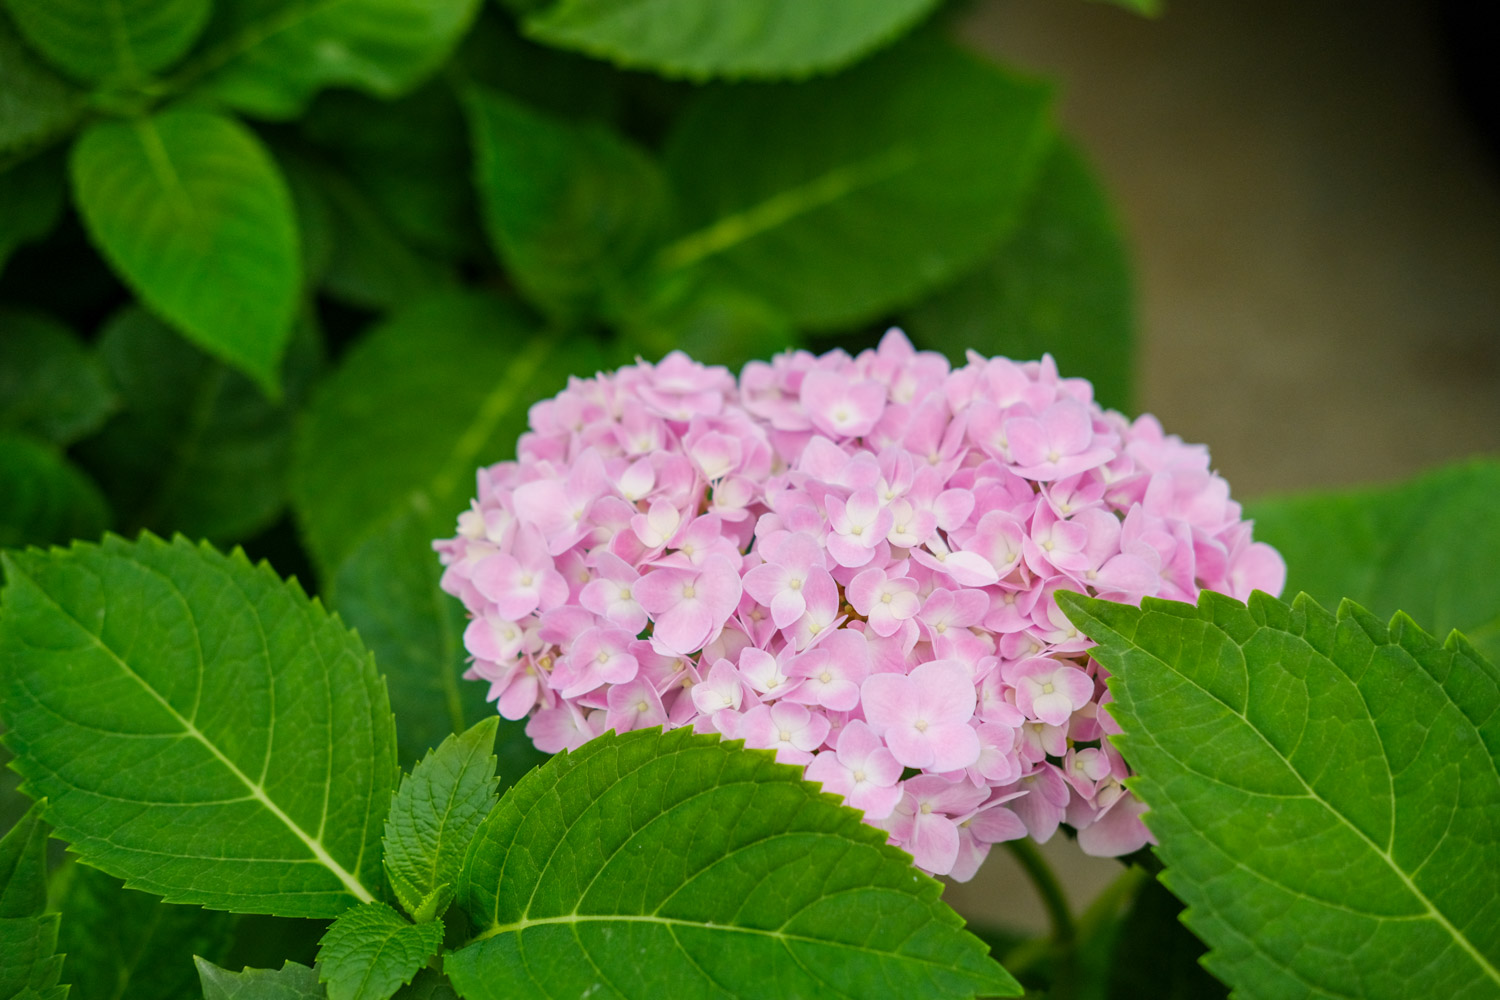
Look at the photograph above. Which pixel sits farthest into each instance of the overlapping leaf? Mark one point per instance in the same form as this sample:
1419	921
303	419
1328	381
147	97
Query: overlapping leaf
51	386
1428	547
45	498
761	39
201	728
657	864
841	199
188	207
35	103
29	963
31	199
121	40
1324	789
1060	285
371	951
290	982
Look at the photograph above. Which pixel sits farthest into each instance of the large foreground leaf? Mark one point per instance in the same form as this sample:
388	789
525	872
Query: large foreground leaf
841	199
201	728
1059	285
765	39
122	40
652	864
1429	547
189	208
1324	789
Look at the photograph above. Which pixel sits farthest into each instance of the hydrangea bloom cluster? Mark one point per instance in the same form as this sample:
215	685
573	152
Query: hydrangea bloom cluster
852	562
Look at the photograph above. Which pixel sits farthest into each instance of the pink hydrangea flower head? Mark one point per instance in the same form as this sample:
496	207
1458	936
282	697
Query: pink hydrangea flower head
852	562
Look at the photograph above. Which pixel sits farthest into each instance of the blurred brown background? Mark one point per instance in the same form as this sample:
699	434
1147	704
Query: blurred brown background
1316	231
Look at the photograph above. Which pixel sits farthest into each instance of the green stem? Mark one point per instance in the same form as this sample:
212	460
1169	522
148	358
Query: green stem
1047	887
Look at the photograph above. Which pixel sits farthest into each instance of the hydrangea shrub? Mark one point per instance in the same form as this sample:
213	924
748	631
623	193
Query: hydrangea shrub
855	562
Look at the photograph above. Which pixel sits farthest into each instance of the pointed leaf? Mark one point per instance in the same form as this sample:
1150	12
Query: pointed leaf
201	729
371	951
28	954
882	183
1428	547
438	807
51	386
23	866
188	207
197	447
656	864
35	103
123	40
291	982
760	39
1060	285
44	498
28	936
31	200
1324	788
269	57
121	943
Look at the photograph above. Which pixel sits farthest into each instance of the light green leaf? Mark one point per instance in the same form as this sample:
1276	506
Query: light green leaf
881	184
31	200
755	39
570	208
35	103
1324	789
189	208
371	951
197	448
437	809
29	962
23	866
1429	547
126	945
269	57
51	386
122	40
44	498
291	982
200	728
1060	284
654	864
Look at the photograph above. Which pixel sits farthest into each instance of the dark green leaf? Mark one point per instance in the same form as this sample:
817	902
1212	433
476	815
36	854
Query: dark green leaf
761	39
437	809
570	208
28	937
291	982
28	955
429	985
655	864
31	199
712	322
35	103
1060	285
126	945
269	57
371	951
561	83
189	208
51	386
44	498
198	448
23	866
201	729
1152	928
1324	789
122	40
1429	547
842	199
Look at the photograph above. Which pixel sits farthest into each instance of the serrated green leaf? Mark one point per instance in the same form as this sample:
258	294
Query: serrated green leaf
570	208
51	386
44	498
429	985
126	945
269	57
200	728
748	39
31	200
654	864
197	447
1324	790
35	103
438	807
1060	284
190	209
371	951
881	184
1428	547
291	982
28	954
23	866
124	40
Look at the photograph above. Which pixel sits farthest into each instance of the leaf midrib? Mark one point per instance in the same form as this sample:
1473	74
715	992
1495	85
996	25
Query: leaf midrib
1432	911
314	845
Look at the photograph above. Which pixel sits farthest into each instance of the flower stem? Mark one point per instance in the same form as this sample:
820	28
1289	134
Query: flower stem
1048	888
